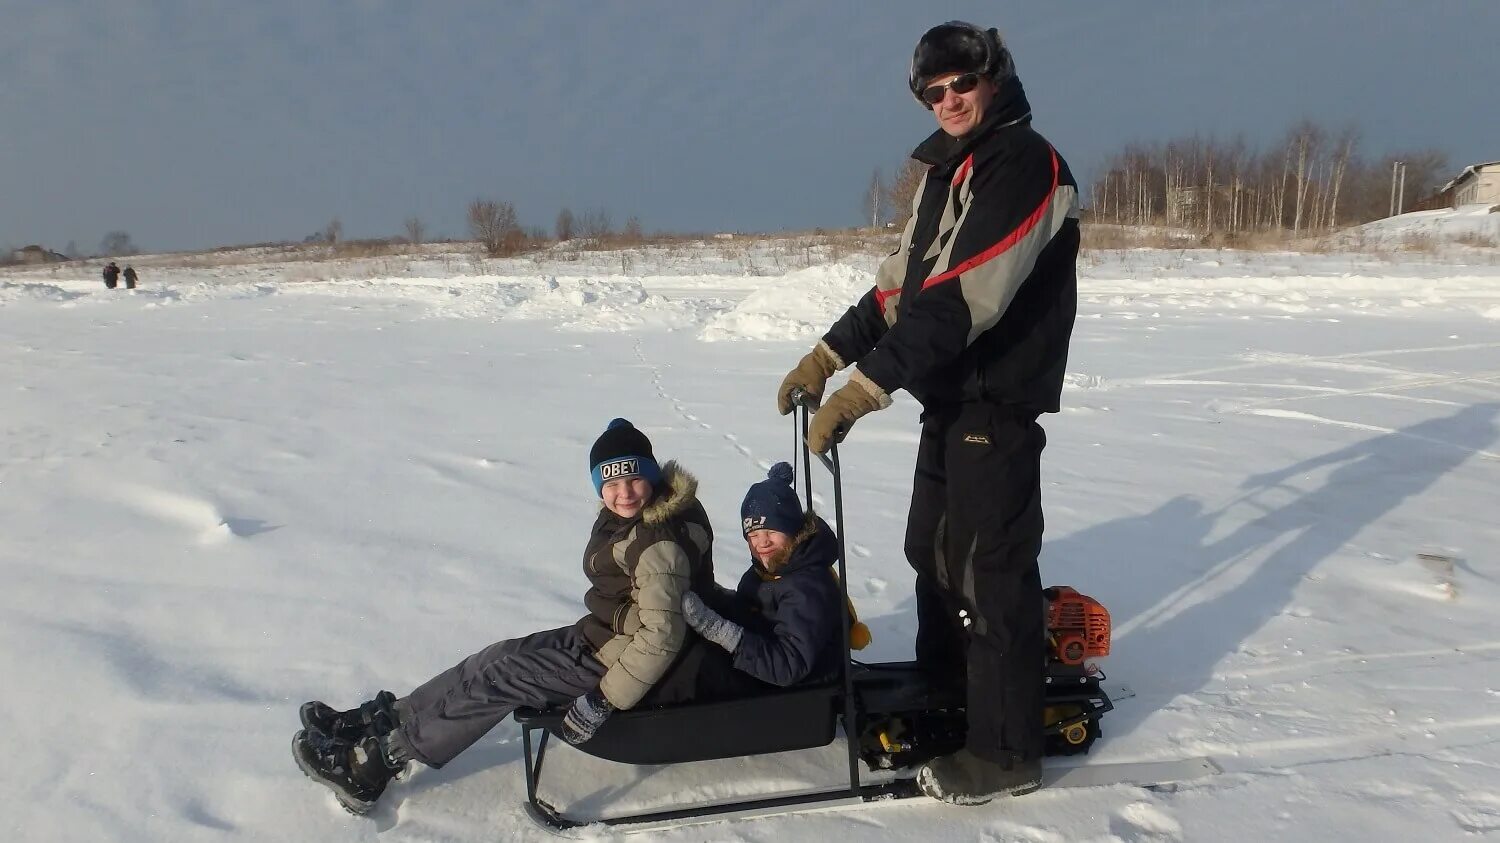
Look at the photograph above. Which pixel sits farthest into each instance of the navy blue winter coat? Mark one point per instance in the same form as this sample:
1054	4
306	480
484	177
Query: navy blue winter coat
791	619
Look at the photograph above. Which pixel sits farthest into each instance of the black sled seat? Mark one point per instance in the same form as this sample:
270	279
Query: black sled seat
771	721
781	720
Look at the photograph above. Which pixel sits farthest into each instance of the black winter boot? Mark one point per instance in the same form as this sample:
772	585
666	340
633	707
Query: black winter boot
372	719
356	771
964	778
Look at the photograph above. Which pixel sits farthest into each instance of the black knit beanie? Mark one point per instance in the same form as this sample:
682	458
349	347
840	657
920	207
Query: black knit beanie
622	451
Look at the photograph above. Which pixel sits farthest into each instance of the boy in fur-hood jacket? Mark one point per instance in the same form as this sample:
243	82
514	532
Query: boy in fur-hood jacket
781	625
650	544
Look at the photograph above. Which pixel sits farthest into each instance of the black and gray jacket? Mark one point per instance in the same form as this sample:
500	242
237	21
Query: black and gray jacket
978	301
638	569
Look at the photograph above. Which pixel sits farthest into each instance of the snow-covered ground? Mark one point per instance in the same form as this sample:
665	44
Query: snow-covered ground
238	488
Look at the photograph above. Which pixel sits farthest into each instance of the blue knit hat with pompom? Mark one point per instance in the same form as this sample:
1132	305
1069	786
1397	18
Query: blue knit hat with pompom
772	503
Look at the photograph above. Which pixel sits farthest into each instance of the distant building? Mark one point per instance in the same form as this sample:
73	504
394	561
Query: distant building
1478	183
36	254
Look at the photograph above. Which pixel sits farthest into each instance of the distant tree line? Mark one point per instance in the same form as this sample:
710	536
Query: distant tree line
498	229
496	225
1312	180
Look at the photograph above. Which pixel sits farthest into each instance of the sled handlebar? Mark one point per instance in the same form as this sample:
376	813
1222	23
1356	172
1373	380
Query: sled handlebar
807	404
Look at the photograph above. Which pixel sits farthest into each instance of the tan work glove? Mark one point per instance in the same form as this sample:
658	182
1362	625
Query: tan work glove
853	400
810	375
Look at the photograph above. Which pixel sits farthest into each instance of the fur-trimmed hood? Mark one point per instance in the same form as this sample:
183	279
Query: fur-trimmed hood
677	493
674	494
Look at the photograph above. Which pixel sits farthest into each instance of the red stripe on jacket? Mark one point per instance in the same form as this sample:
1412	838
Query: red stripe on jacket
963	170
1010	239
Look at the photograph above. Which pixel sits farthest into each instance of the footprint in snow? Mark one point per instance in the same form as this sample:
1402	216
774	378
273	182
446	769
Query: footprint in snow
1480	816
733	440
1142	821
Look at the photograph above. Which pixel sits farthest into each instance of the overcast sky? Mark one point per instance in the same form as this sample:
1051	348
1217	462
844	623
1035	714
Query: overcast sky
197	123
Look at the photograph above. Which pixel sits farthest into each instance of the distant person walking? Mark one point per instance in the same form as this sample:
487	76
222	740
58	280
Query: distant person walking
111	275
129	277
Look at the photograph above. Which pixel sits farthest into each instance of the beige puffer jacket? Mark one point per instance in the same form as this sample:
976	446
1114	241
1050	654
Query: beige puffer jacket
638	569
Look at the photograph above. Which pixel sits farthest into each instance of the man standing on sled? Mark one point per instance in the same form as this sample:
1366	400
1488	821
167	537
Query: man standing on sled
971	315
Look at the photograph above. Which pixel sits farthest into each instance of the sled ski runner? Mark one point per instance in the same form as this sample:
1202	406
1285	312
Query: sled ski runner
1146	774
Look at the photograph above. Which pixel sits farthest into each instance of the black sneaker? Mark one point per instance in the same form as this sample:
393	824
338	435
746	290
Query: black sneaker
964	778
372	719
356	772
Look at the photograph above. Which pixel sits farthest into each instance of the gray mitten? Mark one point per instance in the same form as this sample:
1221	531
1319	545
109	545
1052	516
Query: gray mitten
710	624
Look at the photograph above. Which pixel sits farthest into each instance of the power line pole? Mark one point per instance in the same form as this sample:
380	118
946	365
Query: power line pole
1401	191
1391	208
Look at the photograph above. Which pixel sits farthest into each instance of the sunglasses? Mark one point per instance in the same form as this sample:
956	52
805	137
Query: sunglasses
961	84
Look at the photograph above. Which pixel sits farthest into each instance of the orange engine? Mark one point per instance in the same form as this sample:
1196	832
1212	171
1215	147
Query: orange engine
1077	626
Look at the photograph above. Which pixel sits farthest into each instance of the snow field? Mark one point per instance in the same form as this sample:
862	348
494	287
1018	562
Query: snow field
222	495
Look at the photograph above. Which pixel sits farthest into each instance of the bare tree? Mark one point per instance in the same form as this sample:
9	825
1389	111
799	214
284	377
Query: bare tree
117	243
1303	143
1278	204
494	225
596	224
416	231
633	233
563	229
903	189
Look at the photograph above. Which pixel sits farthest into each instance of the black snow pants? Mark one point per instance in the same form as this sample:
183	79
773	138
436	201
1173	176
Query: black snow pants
452	710
973	535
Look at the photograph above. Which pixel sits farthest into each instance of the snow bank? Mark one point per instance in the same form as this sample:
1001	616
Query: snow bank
800	305
14	292
1466	222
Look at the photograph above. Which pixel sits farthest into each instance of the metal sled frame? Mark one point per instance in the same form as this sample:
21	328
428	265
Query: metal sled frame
886	689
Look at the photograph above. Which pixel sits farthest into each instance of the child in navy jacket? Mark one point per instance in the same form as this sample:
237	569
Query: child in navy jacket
781	625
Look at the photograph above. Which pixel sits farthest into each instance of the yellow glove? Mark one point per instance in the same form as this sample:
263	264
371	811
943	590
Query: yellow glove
853	400
810	375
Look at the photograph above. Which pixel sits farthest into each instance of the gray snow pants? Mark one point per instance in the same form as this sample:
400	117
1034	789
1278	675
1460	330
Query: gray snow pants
452	710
